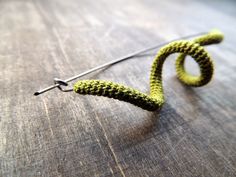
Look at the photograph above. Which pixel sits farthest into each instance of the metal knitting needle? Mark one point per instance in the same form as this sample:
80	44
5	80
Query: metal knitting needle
59	82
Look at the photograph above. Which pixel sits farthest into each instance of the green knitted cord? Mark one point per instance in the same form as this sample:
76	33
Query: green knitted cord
155	100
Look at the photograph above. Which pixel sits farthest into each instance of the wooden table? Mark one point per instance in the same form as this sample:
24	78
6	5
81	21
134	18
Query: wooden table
66	134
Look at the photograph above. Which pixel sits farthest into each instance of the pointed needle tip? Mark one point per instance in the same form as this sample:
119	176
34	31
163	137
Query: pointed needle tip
36	93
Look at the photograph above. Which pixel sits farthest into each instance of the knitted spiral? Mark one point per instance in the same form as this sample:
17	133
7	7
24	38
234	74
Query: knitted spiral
155	100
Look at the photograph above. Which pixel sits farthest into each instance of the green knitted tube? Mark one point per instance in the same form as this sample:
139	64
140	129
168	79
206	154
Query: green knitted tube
155	100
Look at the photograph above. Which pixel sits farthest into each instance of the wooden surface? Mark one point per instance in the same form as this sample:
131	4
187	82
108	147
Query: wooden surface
65	134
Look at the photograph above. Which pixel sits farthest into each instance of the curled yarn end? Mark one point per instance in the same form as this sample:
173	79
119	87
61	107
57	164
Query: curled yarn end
155	99
217	35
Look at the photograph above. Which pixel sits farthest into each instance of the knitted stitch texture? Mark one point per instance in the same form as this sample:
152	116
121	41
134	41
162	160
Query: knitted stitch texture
155	100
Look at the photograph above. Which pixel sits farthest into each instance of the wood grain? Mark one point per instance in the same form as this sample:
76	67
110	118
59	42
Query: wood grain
66	134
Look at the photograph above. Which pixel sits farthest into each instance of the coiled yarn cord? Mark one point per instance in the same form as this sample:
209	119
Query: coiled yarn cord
155	100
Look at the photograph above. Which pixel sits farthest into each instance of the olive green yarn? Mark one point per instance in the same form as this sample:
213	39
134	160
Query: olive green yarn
156	98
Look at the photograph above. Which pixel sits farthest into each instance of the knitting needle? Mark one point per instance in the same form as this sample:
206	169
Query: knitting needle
59	82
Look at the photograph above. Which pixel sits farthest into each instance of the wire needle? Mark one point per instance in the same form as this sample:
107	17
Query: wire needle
59	82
